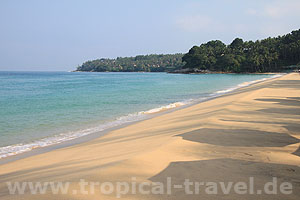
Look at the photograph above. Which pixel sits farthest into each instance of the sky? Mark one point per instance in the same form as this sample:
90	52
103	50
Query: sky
59	35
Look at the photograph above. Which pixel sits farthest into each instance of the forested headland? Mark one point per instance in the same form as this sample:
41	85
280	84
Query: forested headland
268	55
141	63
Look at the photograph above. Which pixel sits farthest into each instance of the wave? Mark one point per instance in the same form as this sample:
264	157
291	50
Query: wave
244	84
56	139
167	107
63	137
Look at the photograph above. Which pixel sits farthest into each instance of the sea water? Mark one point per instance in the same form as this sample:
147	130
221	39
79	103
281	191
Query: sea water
38	109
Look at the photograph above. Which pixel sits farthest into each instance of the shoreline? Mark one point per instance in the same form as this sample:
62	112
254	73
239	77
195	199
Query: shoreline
262	73
95	135
250	132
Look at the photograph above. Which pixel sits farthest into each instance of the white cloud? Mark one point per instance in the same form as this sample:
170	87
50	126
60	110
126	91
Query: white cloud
273	11
260	19
275	18
276	9
283	8
195	23
251	11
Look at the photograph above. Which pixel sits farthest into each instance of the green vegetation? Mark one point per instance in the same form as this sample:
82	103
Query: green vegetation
268	55
147	63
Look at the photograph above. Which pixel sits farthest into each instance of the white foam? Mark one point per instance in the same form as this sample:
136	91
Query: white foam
56	139
244	84
166	107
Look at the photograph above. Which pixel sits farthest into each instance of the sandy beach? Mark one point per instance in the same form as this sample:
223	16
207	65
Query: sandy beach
251	132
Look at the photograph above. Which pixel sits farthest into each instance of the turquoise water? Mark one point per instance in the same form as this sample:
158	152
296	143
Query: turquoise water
42	108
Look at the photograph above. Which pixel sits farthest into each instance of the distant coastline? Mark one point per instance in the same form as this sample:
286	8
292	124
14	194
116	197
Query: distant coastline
278	54
191	72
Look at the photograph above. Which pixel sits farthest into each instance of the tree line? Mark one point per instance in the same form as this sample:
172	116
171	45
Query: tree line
267	55
140	63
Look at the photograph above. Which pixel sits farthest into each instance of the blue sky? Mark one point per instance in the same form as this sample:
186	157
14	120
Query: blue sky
58	35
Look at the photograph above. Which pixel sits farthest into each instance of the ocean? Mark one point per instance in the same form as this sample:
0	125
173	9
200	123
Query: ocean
39	109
